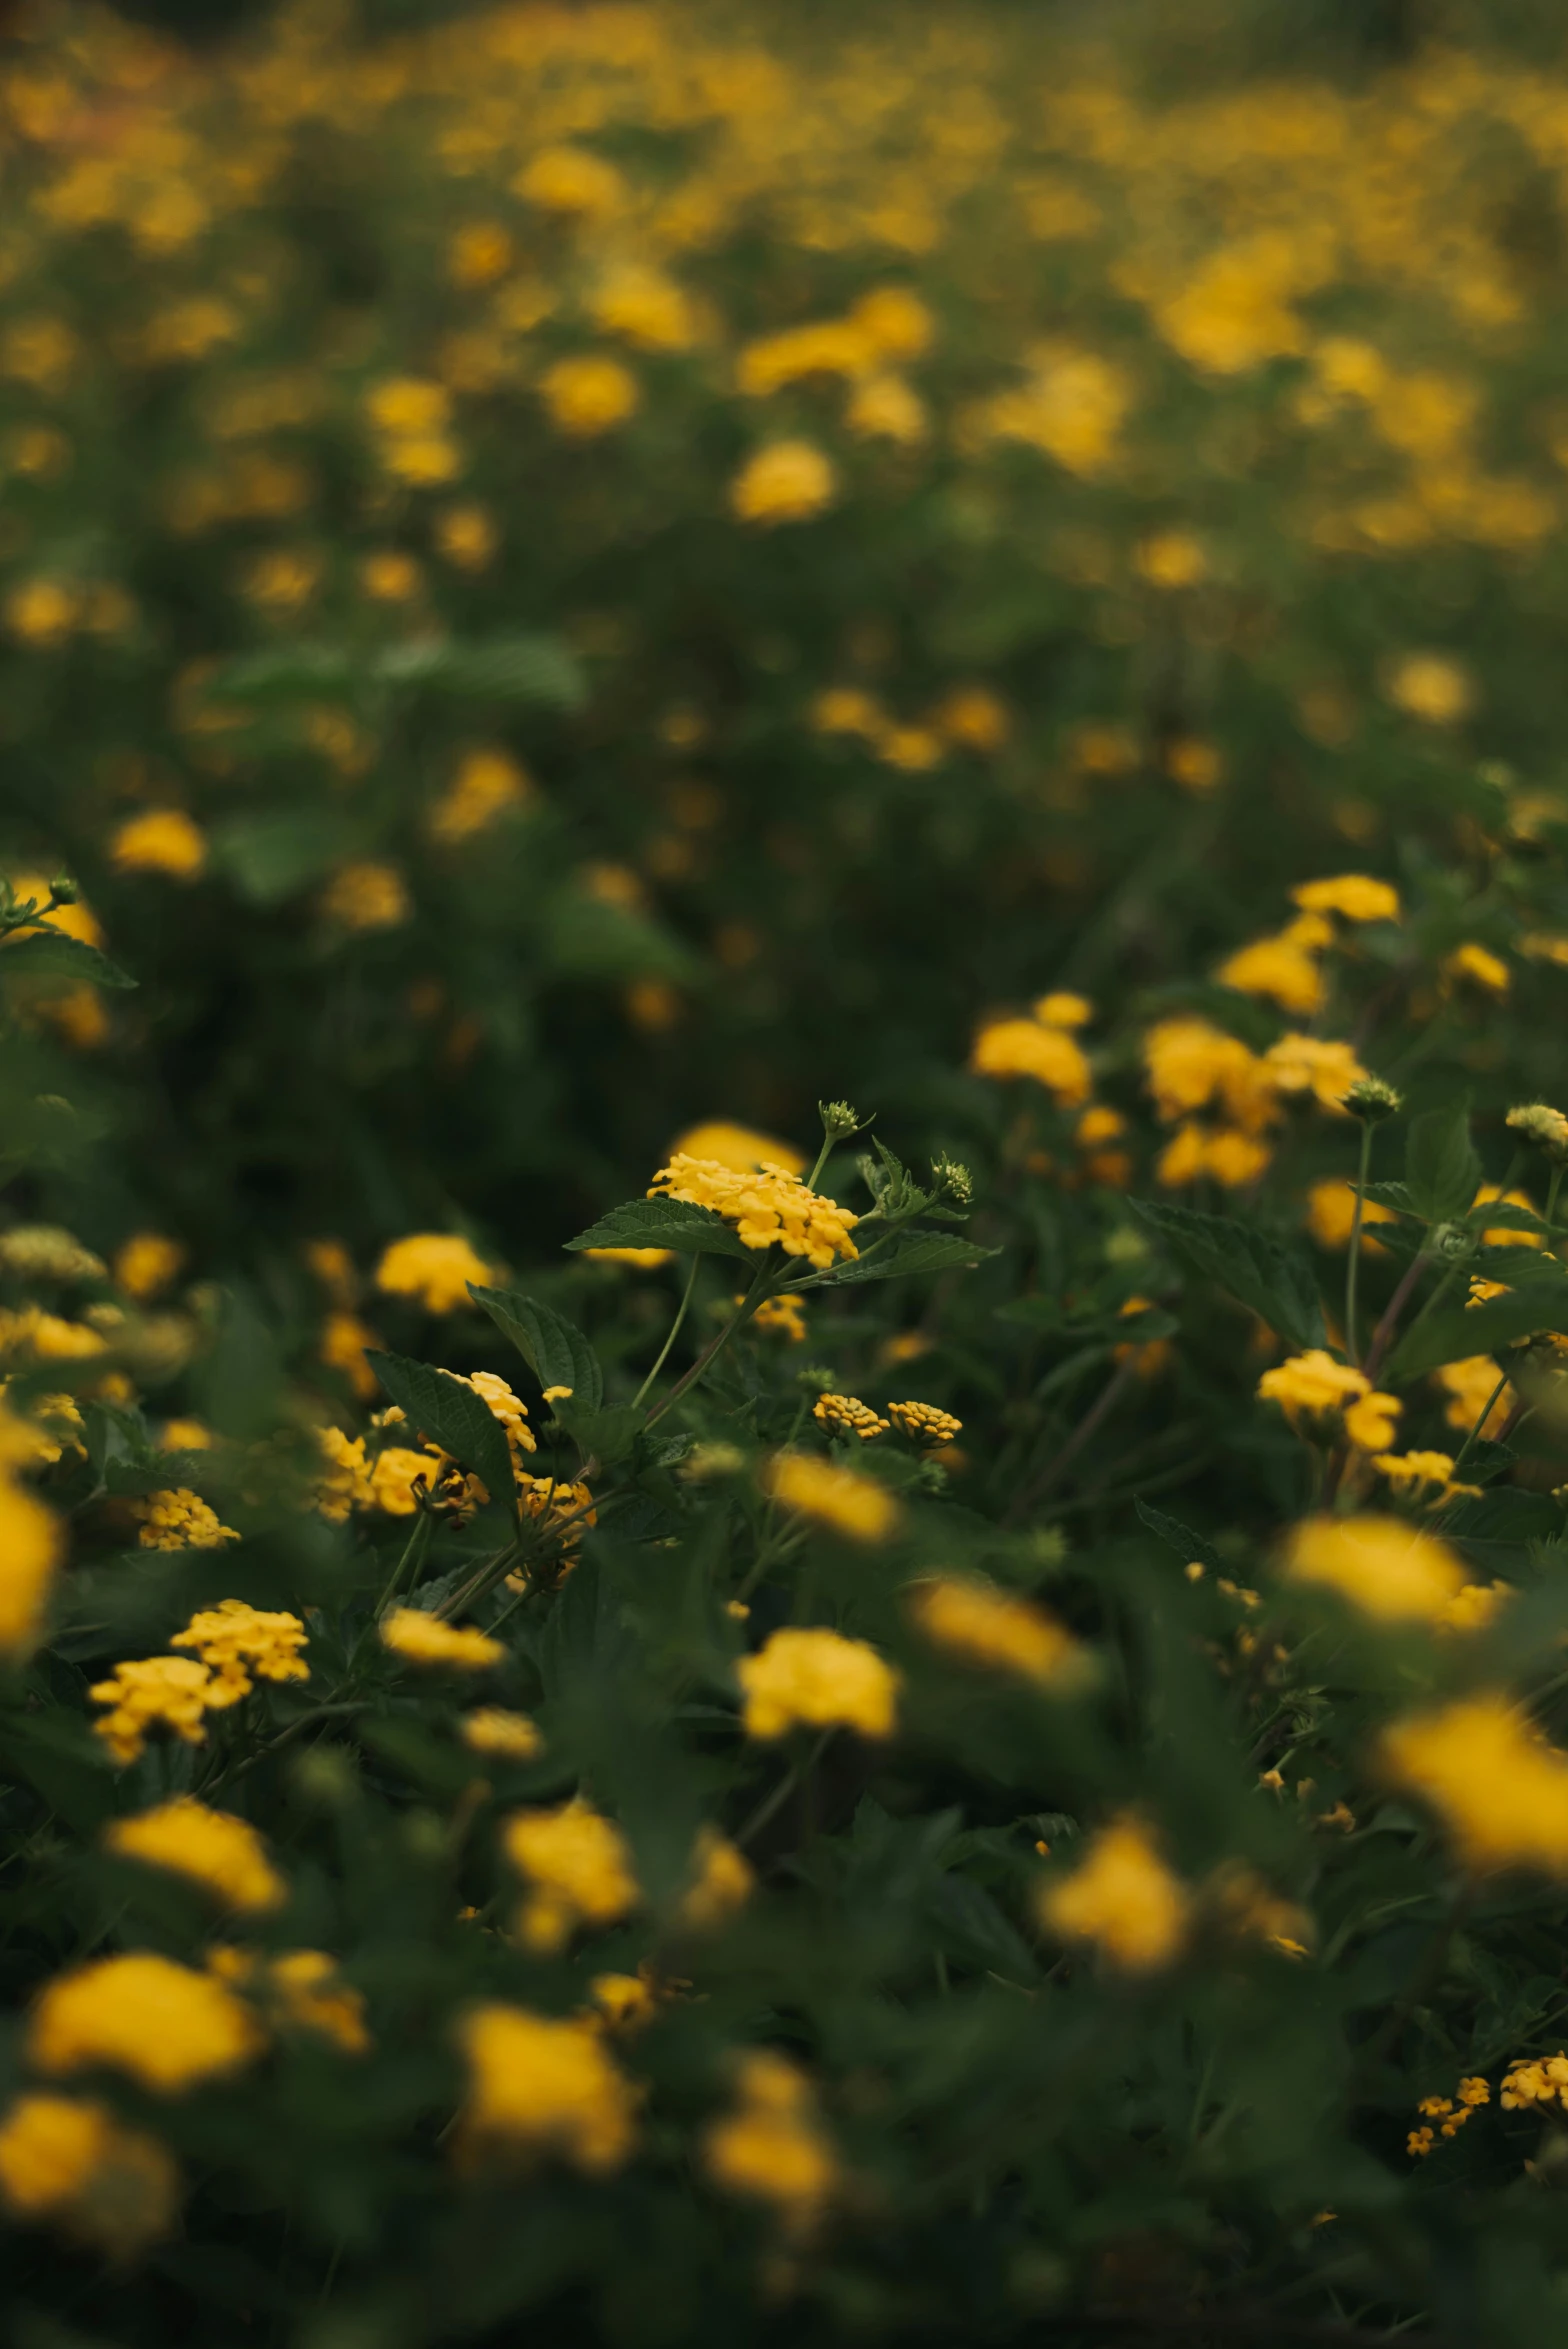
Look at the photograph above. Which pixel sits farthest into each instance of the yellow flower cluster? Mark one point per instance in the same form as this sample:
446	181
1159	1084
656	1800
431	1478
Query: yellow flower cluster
768	1208
435	1268
988	1627
213	1849
67	2160
180	1520
235	1640
158	1692
1529	2080
501	1736
1390	1571
538	2086
1452	2112
923	1423
839	1500
564	1511
1041	1047
772	2147
1223	1098
1121	1899
299	1989
1498	1787
1314	1388
721	1882
30	1543
503	1405
814	1679
577	1868
847	1415
422	1638
161	2023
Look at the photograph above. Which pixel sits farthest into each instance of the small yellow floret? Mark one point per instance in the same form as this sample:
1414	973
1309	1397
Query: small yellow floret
817	1680
988	1627
214	1849
578	1870
164	840
839	1499
421	1638
1123	1899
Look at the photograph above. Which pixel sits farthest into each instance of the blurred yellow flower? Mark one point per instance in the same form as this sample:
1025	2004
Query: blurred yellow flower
69	2160
421	1638
578	1870
838	1499
817	1680
539	2085
590	395
1122	1899
165	2025
164	840
788	481
214	1849
1499	1788
991	1628
366	896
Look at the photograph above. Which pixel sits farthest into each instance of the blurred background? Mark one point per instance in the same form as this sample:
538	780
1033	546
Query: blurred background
570	569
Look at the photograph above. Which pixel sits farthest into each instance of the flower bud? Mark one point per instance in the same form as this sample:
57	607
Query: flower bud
839	1121
953	1178
1546	1127
1371	1100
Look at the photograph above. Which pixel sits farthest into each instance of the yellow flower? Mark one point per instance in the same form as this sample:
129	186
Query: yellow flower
1171	559
390	577
435	1267
640	1259
70	2160
421	1638
1370	1421
164	840
817	1680
588	396
343	1482
739	1148
1499	1788
1314	1064
783	1317
1382	1565
162	2023
1331	1209
1279	969
1063	1010
145	1264
341	1346
1354	896
788	481
722	1881
988	1627
1123	1899
487	785
1034	1048
767	1209
180	1520
506	1737
409	406
854	1506
1471	961
366	896
884	407
646	308
571	180
1191	1064
466	536
538	2085
1312	1382
772	2147
42	611
850	1416
1470	1385
300	1990
170	1692
1431	687
479	253
502	1404
223	1854
31	1547
578	1870
235	1640
923	1423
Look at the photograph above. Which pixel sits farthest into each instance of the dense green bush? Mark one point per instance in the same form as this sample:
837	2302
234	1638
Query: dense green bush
955	1741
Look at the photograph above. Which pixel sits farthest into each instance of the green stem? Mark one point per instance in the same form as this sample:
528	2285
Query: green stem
1353	1268
675	1330
1474	1437
743	1312
1552	1189
786	1786
410	1562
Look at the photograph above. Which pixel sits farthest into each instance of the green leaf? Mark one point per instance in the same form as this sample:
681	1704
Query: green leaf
501	668
68	1766
50	954
1442	1171
1455	1335
554	1349
442	1408
609	1435
273	853
1188	1546
912	1252
665	1223
1275	1281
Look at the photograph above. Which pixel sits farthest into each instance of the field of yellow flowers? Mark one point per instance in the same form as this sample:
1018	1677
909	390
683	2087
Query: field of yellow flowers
659	663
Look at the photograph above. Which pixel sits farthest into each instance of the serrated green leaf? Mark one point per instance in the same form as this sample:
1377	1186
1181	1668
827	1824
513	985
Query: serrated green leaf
273	853
1455	1335
452	1415
609	1435
554	1348
665	1223
1187	1545
50	954
1275	1281
497	668
915	1252
1442	1171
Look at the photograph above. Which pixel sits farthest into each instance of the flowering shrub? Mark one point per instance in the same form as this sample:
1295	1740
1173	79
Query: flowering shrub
637	1708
